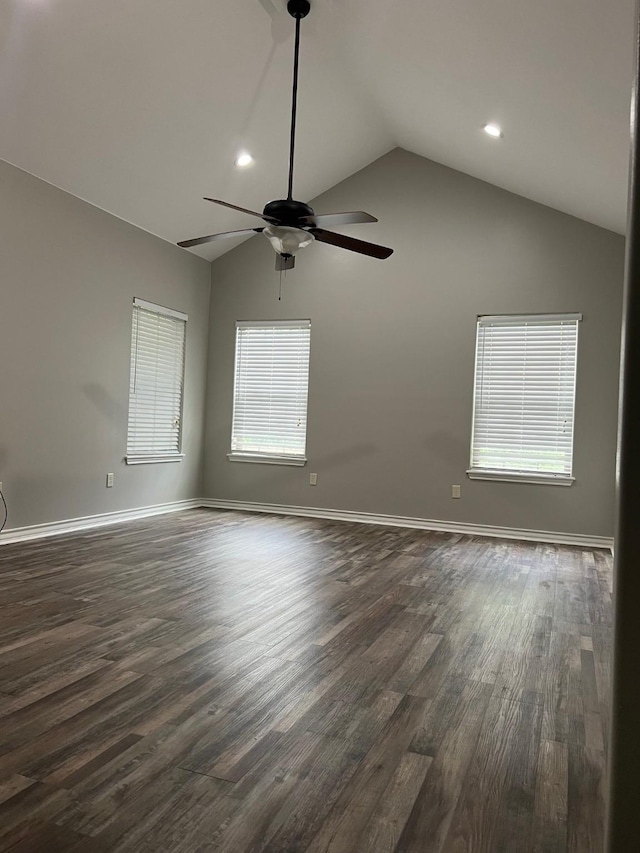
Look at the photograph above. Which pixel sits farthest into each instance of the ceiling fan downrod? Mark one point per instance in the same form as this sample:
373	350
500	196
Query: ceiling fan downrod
298	9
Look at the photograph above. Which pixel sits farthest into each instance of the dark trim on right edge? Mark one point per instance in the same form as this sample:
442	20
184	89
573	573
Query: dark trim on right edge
624	764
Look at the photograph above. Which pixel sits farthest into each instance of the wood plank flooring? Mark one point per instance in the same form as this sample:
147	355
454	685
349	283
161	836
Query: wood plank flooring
234	683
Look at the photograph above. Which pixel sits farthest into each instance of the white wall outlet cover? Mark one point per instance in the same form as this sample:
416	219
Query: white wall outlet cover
109	481
313	479
455	491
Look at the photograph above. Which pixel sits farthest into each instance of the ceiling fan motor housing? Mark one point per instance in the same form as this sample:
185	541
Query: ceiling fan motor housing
287	211
298	8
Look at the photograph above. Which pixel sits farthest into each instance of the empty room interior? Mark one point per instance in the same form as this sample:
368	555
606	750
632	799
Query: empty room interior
316	502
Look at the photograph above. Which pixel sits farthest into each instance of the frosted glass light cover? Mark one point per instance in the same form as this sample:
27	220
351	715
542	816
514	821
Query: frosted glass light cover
286	240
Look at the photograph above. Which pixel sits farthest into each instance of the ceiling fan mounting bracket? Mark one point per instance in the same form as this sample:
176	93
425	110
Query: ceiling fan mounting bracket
298	8
287	211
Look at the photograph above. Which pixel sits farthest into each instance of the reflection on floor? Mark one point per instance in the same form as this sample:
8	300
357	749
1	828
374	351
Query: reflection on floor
218	681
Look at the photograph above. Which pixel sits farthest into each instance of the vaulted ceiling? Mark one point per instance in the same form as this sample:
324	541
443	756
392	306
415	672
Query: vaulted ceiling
140	106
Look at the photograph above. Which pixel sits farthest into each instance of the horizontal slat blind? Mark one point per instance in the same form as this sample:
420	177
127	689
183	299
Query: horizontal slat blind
525	394
156	381
271	388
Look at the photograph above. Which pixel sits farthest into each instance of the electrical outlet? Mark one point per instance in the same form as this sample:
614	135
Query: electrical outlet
109	481
313	479
455	491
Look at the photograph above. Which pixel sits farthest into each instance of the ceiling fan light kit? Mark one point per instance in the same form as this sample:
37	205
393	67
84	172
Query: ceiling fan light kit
292	225
286	240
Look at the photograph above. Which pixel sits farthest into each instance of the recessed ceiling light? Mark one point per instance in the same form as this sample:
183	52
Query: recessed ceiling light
492	130
243	160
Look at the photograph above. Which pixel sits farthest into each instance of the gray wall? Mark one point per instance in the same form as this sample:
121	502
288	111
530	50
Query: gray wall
392	349
69	273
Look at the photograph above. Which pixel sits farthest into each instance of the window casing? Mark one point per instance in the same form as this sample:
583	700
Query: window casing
524	398
156	384
271	392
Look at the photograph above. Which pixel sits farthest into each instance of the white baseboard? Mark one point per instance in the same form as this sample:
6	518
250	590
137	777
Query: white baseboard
73	525
418	523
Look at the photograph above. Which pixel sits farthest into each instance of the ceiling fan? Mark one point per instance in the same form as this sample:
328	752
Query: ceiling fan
292	225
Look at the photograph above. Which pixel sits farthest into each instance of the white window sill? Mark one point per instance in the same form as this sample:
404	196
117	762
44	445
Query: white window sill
151	459
533	477
267	460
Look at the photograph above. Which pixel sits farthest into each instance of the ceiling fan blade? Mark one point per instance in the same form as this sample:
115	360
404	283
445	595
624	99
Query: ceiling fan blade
198	241
354	217
344	242
241	209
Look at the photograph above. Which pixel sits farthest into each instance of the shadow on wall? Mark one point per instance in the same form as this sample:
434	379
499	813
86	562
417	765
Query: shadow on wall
106	404
258	92
269	474
280	22
445	446
29	500
3	462
342	457
280	32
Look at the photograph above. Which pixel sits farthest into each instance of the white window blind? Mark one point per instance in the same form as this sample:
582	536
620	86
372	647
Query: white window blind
271	390
524	400
158	337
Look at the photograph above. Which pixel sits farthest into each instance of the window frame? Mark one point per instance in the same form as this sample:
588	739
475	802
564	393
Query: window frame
512	475
262	457
155	457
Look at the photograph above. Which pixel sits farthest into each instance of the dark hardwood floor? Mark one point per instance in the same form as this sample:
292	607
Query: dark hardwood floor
215	681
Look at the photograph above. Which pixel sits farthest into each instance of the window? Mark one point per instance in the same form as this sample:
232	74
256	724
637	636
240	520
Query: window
270	392
158	337
524	400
